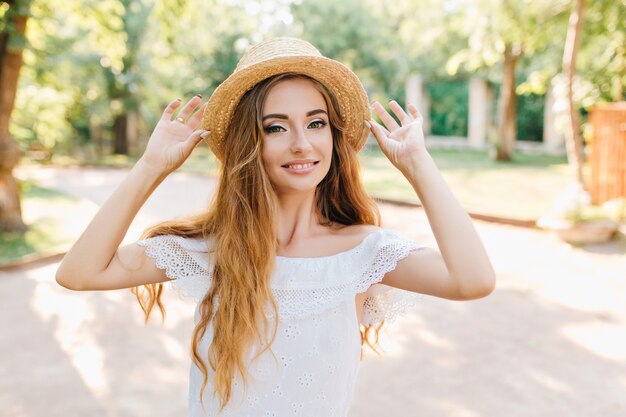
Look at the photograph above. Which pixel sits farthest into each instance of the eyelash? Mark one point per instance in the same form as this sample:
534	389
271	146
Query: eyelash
269	128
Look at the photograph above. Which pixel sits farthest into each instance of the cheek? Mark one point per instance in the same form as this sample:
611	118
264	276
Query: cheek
328	147
322	141
268	154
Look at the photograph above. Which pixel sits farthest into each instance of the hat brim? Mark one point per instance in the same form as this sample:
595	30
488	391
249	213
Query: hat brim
352	98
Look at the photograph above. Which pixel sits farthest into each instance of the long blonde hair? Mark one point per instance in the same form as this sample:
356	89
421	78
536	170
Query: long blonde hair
241	223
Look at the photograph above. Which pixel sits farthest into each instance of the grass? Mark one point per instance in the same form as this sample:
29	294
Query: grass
523	189
52	218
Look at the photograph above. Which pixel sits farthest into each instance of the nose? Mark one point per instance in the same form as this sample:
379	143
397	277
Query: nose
300	142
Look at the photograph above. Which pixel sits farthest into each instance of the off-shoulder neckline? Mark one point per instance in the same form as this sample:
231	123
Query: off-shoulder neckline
345	252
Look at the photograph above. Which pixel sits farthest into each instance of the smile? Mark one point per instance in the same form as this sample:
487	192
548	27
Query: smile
302	168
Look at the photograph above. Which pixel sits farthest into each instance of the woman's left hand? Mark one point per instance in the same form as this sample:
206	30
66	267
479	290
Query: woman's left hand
403	142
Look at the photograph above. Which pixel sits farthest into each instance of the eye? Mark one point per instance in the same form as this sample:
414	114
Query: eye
319	124
273	129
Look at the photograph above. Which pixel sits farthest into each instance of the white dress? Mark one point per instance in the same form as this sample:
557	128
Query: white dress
318	345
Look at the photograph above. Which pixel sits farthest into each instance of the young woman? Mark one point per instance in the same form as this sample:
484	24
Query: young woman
288	262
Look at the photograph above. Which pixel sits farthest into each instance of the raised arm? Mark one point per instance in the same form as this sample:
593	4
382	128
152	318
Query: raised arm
96	261
462	271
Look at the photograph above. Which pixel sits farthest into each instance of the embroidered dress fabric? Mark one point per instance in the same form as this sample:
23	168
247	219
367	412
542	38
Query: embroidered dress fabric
313	363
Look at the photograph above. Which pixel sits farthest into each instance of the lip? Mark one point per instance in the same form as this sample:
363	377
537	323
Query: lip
299	161
300	170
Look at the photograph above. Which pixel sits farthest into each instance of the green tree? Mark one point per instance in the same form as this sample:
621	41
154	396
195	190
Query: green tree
89	74
122	72
355	34
14	16
573	137
601	43
500	34
602	56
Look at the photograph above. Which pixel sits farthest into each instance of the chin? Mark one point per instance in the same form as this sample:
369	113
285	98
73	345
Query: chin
297	185
295	189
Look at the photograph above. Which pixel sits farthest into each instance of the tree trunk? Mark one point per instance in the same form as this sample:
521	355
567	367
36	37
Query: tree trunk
10	65
132	132
10	206
507	106
95	132
120	135
573	137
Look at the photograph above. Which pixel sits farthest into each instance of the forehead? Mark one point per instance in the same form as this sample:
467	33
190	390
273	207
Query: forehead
292	96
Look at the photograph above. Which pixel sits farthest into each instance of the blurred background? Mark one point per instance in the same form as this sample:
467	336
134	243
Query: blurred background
525	115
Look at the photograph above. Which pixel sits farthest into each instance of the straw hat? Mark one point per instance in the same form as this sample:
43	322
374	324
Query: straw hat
279	56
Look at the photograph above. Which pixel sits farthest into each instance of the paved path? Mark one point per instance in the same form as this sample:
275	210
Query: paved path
550	341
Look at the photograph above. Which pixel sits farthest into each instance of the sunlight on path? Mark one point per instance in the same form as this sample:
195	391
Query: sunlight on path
72	317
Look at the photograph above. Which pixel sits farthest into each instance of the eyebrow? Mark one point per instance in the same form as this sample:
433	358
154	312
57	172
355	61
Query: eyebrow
284	116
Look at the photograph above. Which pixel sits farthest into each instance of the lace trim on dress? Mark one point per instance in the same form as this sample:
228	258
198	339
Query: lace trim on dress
303	286
389	304
384	302
185	262
351	272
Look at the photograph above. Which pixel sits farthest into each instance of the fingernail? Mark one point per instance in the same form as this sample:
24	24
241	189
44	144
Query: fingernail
198	95
368	124
205	134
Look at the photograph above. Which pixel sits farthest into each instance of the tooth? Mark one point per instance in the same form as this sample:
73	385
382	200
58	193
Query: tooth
300	166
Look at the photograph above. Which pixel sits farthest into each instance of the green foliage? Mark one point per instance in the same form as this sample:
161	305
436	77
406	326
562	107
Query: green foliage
615	210
448	107
9	11
224	60
602	56
359	38
90	60
449	110
489	25
112	56
530	117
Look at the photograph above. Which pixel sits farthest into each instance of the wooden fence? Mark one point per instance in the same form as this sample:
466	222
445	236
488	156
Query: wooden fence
608	152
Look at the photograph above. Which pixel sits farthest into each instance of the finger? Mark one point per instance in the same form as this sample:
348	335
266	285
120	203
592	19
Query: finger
384	129
385	117
400	113
192	140
369	126
195	120
378	127
189	107
415	112
380	134
169	110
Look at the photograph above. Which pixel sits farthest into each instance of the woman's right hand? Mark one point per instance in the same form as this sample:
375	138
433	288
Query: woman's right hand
173	140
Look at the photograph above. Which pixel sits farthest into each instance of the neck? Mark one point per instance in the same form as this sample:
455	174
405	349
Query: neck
296	217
